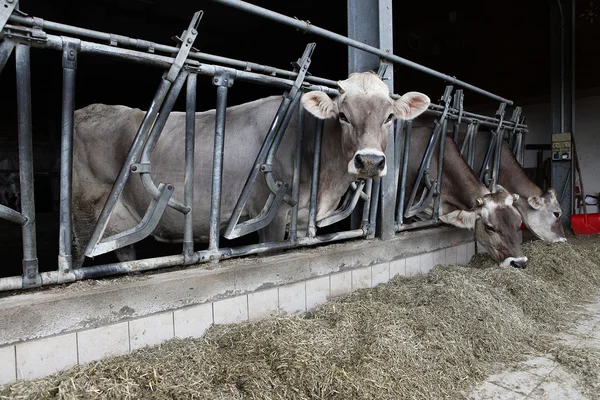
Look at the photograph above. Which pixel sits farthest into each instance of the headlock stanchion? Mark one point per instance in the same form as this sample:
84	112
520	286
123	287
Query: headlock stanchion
182	64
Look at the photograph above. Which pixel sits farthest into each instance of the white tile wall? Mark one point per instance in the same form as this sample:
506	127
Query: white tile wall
230	311
397	267
439	257
104	341
317	292
43	357
341	283
380	273
426	260
470	250
8	371
292	298
150	330
413	265
451	256
263	303
361	278
193	321
461	254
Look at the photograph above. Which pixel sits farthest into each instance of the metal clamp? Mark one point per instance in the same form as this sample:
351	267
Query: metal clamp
223	78
141	168
24	34
187	39
70	50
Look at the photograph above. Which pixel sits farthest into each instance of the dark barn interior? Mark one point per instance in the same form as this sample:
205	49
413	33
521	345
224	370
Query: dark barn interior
501	47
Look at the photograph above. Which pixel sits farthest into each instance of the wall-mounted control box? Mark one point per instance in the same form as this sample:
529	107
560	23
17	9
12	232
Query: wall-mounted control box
561	146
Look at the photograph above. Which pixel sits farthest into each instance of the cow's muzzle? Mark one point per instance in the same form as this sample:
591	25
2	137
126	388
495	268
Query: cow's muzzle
520	262
368	163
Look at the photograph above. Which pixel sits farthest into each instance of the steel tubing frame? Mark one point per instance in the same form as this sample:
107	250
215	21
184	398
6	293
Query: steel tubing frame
252	73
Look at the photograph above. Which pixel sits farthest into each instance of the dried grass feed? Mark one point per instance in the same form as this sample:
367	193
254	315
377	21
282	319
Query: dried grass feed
431	336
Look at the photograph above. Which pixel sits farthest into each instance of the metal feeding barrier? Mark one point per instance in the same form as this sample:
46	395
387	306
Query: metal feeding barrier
182	64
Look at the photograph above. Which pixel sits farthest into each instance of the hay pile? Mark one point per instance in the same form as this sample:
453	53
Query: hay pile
426	337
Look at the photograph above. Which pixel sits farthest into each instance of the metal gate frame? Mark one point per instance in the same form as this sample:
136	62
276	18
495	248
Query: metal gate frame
183	64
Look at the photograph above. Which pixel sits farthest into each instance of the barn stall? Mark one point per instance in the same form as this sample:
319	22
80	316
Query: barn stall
290	282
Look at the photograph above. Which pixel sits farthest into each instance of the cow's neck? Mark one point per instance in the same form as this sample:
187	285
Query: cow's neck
460	185
334	178
513	178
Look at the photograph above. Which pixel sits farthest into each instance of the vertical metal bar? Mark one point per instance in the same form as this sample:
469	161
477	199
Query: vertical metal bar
473	146
440	175
222	83
296	181
31	276
387	190
314	184
402	184
190	141
69	64
397	148
375	194
497	157
367	204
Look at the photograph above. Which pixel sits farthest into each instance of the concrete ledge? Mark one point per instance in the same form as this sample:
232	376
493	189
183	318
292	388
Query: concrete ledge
91	304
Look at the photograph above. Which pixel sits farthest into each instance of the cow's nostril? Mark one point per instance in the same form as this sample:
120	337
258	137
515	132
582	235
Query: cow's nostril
358	162
381	164
519	264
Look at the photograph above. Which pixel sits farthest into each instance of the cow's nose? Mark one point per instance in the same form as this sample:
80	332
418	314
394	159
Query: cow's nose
519	263
368	161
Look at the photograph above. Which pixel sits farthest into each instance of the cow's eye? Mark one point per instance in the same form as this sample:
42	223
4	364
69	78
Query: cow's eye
489	228
389	119
343	118
557	214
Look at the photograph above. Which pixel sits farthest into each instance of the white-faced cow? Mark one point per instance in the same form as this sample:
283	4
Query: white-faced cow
354	141
466	202
540	210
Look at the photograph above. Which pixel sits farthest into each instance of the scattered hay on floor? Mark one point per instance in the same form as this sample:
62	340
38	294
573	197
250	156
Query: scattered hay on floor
428	337
585	363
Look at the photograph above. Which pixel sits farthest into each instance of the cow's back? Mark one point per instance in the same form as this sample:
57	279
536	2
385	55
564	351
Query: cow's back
104	133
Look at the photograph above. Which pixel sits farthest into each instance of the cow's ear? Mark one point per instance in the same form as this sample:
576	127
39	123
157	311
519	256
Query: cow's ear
411	105
460	218
319	104
535	202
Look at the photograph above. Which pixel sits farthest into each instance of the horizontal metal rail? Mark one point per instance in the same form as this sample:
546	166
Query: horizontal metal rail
307	27
203	256
120	40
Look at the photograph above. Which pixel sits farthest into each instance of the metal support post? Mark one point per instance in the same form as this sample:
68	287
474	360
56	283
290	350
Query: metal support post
223	83
562	96
314	183
190	141
69	64
31	276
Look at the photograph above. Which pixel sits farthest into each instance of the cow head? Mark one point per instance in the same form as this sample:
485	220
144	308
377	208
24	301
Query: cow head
543	216
496	223
365	112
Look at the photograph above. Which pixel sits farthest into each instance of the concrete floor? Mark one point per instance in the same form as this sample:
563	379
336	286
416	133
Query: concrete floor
542	377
